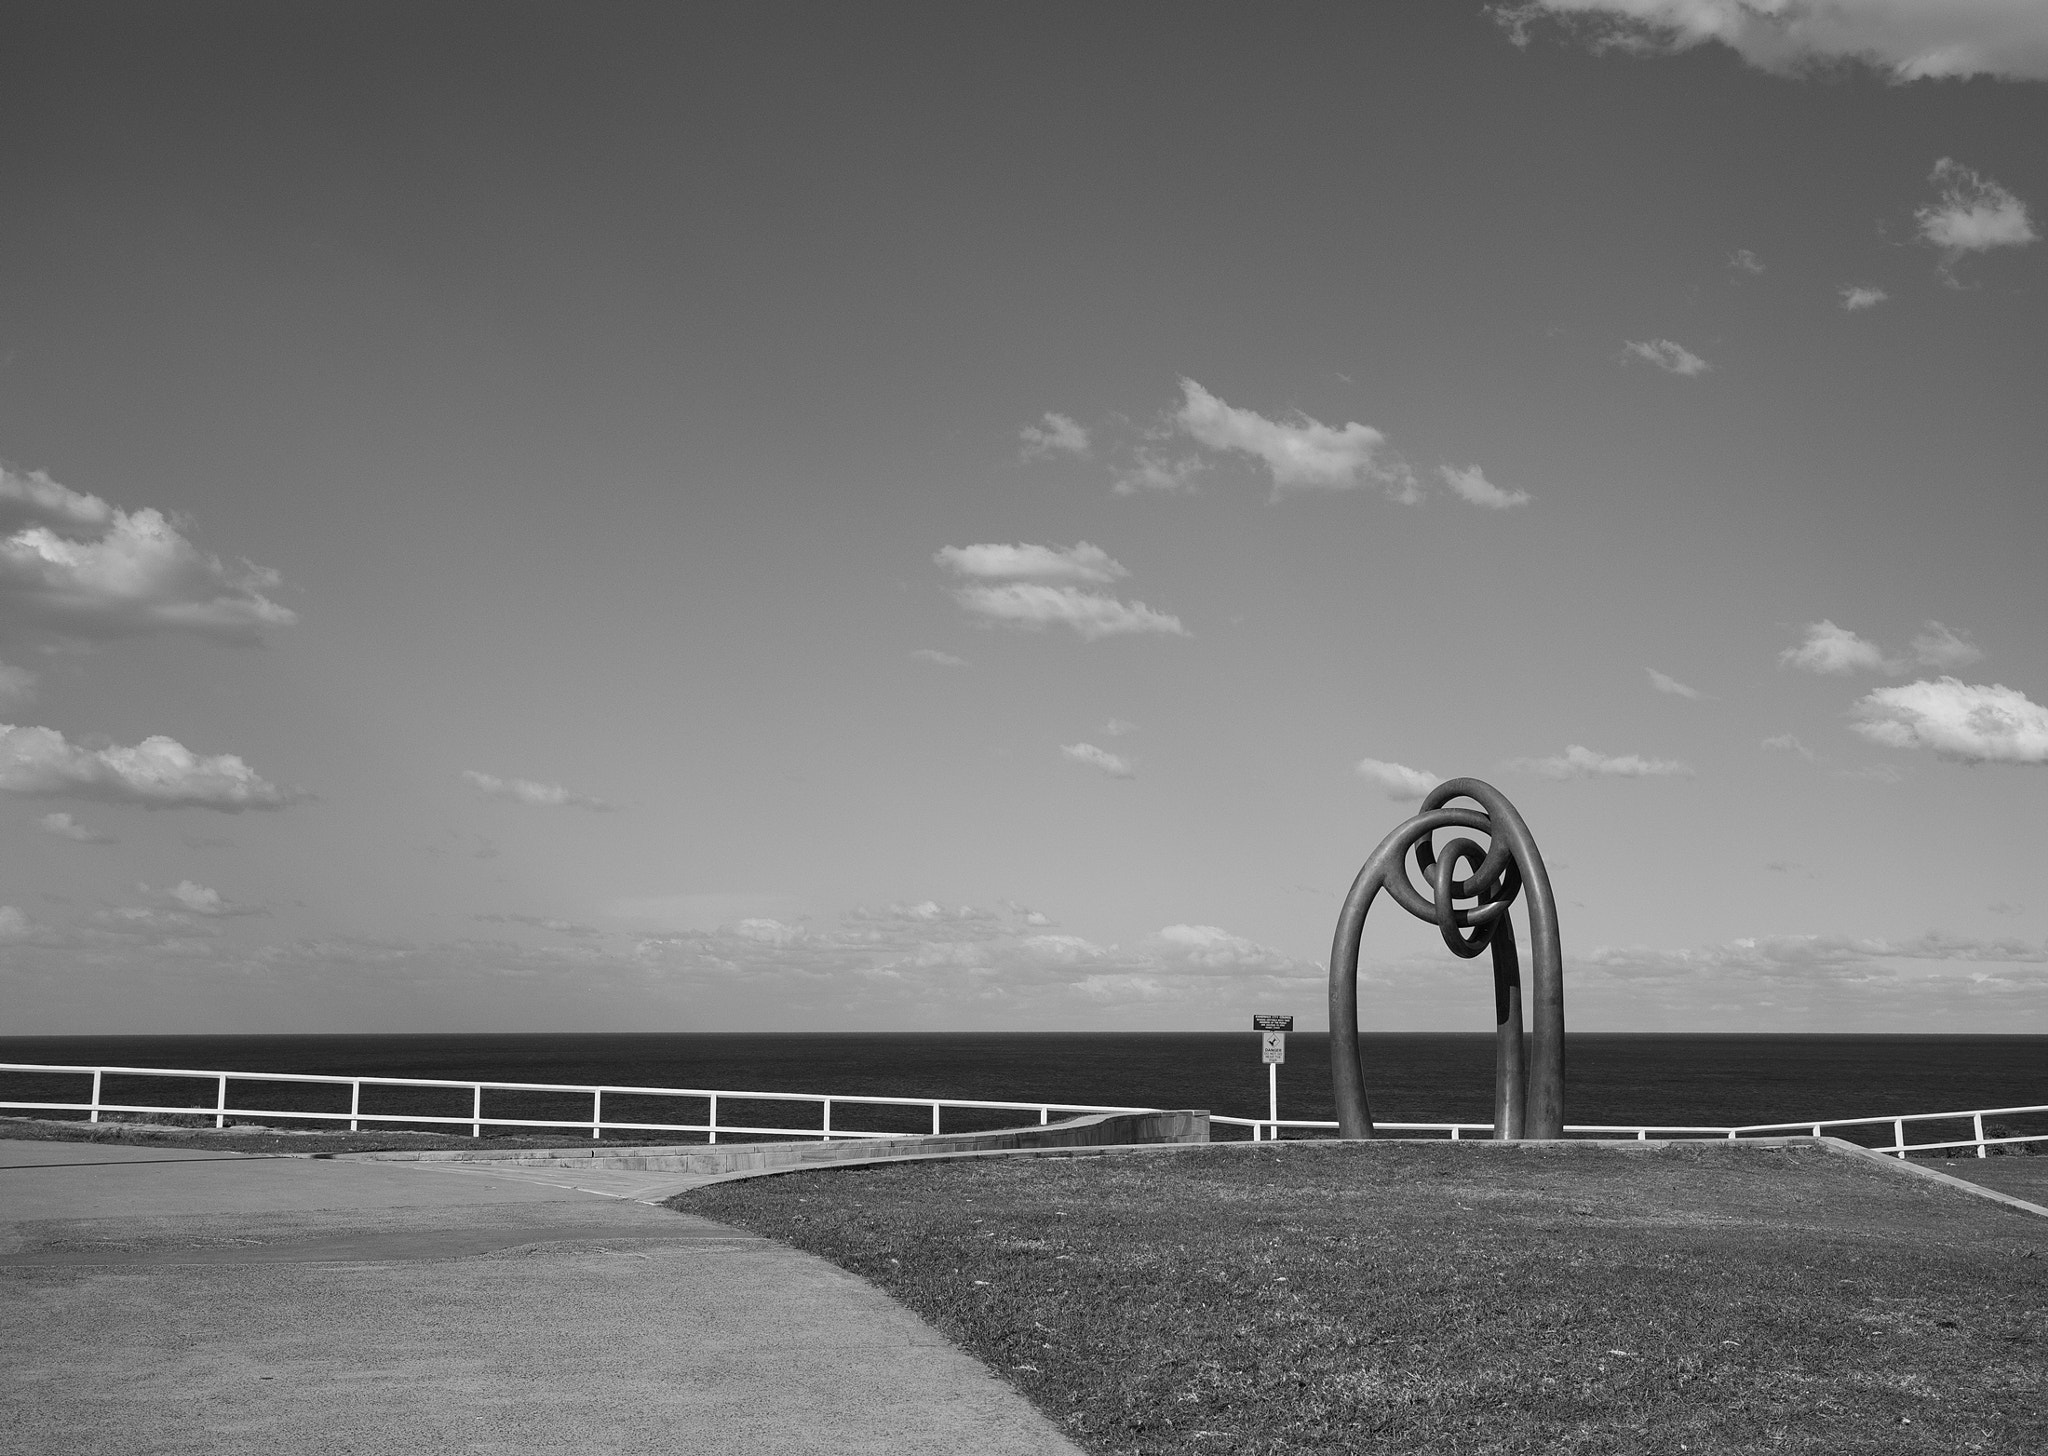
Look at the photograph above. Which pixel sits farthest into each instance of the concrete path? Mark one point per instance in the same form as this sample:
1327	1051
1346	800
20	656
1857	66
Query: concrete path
166	1302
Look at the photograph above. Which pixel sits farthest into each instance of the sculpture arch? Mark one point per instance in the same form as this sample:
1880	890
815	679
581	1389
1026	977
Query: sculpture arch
1528	1091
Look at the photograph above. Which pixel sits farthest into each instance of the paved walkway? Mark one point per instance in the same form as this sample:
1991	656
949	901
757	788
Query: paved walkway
173	1302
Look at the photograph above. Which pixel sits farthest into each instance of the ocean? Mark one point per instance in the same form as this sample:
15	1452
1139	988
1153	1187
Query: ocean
1418	1077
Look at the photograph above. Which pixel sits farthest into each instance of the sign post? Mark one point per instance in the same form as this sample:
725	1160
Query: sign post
1272	1032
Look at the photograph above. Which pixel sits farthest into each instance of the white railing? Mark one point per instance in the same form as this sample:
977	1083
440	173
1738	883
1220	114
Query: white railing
1267	1129
597	1123
1261	1129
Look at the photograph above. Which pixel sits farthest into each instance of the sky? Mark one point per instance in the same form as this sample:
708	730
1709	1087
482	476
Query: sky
527	517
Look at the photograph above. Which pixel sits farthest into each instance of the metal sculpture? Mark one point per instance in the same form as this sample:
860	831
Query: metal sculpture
1528	1100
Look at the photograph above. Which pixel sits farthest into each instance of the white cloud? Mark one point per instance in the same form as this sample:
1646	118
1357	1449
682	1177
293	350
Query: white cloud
994	561
17	686
1118	728
1832	649
1154	470
1882	773
1742	260
1091	614
1822	982
1300	453
1396	780
1904	40
938	658
545	922
1472	485
706	910
198	899
1579	762
935	961
1810	954
1209	948
1054	434
1974	215
65	827
532	793
1787	743
36	500
1958	720
158	773
1937	646
75	568
1672	685
1858	296
1671	357
1116	766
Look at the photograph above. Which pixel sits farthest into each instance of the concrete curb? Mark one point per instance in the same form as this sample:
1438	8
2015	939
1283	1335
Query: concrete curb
1525	1145
1121	1129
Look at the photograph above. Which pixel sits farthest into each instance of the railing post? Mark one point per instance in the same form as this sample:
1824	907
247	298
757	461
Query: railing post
1977	1124
95	1094
355	1105
828	1117
1899	1136
1816	1129
476	1112
1642	1134
714	1117
1044	1116
597	1112
935	1119
220	1105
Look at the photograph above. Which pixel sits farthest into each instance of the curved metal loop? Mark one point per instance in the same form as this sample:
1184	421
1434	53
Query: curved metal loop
1492	881
1393	854
1498	857
1484	918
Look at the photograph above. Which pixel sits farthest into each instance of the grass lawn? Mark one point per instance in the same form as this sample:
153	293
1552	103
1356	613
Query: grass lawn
2022	1177
1416	1297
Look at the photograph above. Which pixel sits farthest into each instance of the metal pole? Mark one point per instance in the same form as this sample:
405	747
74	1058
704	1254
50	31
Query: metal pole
476	1112
1899	1136
597	1112
935	1119
220	1106
355	1105
1273	1096
95	1094
714	1117
1510	1076
828	1118
1978	1120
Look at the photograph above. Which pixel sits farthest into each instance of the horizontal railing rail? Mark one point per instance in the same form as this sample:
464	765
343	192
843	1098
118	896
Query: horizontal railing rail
597	1124
1263	1128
